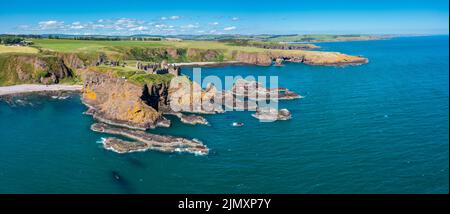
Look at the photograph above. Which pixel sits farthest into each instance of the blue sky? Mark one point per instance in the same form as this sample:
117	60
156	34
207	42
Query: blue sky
225	17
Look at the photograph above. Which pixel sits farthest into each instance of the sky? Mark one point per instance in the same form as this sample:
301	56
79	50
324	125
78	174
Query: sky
174	17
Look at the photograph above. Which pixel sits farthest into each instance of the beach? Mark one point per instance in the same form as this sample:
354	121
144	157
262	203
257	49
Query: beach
27	88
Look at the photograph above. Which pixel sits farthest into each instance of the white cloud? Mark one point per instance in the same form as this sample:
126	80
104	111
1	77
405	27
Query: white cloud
191	26
129	23
235	18
140	28
77	27
127	26
161	26
48	25
169	29
97	26
230	28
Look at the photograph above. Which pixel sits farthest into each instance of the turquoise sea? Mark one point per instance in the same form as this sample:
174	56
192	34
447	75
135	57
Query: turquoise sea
382	127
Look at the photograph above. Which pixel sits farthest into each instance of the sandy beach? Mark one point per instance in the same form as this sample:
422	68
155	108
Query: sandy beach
18	89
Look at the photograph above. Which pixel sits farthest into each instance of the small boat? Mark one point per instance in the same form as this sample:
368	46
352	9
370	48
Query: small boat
237	124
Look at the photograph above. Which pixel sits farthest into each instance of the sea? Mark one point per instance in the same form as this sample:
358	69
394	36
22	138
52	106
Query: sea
381	127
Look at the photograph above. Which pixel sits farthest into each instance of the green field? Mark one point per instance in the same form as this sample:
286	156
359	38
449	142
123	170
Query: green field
136	76
67	45
322	38
17	49
17	63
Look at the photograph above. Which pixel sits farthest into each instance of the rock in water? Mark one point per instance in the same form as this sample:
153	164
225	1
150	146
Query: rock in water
271	114
121	146
146	141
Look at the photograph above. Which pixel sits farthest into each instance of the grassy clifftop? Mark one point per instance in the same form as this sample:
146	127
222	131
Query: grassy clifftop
17	49
21	68
135	76
187	51
51	61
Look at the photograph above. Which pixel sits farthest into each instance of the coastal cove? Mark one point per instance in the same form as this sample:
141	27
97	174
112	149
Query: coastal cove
359	129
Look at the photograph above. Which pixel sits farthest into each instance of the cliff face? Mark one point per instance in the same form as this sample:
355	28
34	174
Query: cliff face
253	58
72	60
116	101
32	68
324	58
307	57
171	54
199	55
285	46
156	96
187	96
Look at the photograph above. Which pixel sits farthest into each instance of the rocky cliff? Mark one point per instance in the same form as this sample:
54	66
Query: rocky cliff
116	101
307	57
119	101
32	68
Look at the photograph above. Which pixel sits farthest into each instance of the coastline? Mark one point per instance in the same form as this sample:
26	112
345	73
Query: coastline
208	64
28	88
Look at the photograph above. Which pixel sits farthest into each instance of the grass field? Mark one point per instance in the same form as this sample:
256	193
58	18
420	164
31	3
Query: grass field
66	45
136	76
322	38
17	49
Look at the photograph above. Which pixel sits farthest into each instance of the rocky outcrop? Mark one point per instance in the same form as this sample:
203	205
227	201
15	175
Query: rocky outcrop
204	55
307	57
116	101
271	114
32	68
256	58
188	96
271	45
285	46
252	90
147	141
72	60
190	119
327	59
157	54
121	146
